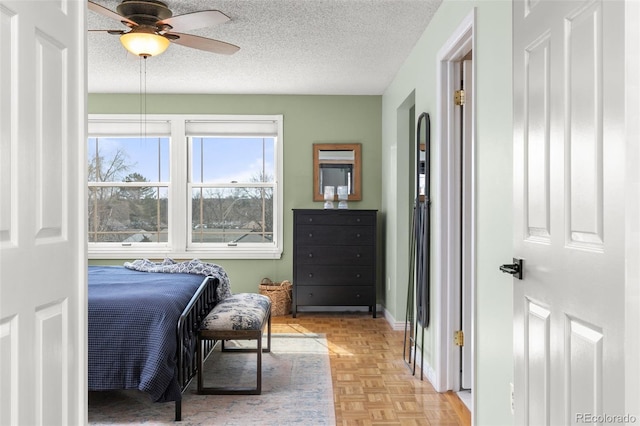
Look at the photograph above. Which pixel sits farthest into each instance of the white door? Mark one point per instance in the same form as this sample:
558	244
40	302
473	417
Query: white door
42	225
569	210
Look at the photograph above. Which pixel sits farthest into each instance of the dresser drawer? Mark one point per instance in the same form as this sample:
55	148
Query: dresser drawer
334	295
334	275
335	255
350	218
334	235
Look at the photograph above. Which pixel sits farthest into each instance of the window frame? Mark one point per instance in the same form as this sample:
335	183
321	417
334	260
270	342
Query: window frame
179	244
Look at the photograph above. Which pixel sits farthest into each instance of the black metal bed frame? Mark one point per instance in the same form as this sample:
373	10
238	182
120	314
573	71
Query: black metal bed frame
198	307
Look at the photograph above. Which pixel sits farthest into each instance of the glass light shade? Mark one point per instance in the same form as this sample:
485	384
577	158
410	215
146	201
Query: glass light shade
144	44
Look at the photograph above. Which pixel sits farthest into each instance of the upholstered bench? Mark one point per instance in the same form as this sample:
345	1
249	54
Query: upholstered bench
242	316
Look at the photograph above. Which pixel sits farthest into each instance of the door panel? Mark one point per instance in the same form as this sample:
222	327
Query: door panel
42	213
536	161
7	119
51	70
568	210
537	348
8	369
584	179
584	344
51	357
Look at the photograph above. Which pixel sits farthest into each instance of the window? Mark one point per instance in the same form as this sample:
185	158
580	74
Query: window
125	206
185	186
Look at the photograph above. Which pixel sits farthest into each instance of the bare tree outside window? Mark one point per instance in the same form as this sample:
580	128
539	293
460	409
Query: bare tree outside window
242	210
121	208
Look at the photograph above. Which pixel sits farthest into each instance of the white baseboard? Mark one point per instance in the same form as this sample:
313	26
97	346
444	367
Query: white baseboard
395	325
428	371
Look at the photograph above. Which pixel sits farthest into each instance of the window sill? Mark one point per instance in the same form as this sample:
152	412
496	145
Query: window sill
221	253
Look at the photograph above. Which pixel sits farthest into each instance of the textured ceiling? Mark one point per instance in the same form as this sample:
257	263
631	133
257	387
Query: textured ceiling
350	47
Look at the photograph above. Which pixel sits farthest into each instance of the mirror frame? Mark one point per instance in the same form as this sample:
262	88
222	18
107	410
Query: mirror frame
357	168
422	234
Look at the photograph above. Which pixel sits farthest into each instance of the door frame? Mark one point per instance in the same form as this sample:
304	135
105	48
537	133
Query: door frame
447	294
632	210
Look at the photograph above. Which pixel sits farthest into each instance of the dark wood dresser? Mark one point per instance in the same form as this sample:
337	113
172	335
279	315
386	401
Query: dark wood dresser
334	258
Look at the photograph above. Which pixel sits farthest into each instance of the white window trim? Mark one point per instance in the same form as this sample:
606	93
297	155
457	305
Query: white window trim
178	246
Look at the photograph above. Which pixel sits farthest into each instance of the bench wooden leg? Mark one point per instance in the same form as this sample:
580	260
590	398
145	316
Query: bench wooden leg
229	335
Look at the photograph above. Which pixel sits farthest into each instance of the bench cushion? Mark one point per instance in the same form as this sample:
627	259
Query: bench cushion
242	311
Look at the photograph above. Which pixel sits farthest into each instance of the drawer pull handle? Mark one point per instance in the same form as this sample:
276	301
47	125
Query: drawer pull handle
310	275
357	219
358	255
310	254
358	296
358	235
357	275
310	234
310	294
310	219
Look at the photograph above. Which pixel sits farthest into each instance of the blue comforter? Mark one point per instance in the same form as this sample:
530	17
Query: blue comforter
132	329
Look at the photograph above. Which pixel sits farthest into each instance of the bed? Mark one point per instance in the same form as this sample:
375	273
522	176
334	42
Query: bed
142	326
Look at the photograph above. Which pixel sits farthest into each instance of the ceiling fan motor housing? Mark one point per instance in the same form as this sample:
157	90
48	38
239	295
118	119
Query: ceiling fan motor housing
144	12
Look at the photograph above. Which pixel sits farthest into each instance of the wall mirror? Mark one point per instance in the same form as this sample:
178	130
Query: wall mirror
337	164
422	132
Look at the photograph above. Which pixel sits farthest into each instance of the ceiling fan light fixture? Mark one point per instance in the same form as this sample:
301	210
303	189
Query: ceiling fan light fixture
150	22
144	43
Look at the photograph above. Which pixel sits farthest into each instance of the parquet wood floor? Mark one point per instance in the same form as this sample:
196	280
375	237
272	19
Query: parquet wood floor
372	385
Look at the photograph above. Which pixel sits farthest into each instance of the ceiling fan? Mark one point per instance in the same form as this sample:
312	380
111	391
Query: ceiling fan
152	27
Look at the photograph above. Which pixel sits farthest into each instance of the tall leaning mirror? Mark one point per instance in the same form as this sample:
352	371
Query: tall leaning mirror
337	165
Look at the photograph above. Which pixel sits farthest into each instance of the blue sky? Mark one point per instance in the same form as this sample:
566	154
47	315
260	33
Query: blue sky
225	159
232	159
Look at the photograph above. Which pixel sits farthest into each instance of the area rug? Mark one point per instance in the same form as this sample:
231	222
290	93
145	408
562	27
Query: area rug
296	389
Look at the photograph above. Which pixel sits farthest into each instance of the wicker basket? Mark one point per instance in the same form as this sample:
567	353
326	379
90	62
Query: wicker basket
280	295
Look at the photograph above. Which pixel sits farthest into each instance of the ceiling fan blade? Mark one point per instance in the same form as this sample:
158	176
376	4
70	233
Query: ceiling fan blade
112	32
202	43
195	20
110	14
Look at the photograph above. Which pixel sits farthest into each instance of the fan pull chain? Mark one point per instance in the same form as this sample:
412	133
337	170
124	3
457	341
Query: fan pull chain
140	98
145	96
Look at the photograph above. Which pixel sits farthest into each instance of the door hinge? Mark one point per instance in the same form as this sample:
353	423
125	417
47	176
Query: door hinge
458	338
459	97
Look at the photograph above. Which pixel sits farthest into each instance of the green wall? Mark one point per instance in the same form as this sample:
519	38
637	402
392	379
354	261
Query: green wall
307	119
384	125
417	82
